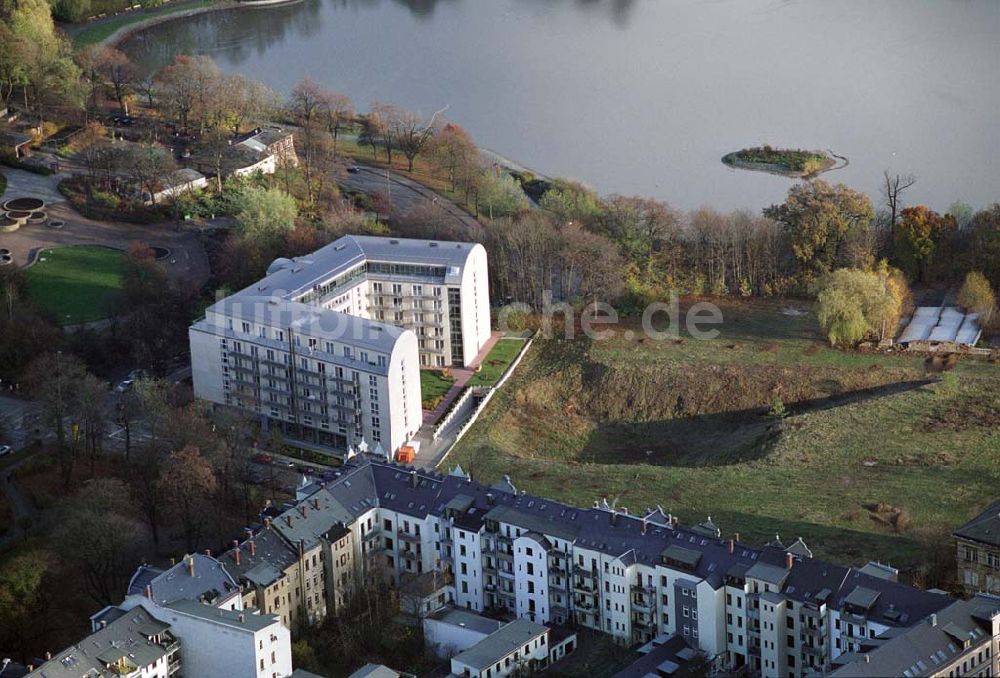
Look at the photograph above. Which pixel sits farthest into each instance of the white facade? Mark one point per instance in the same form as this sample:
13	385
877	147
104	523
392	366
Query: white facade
218	642
772	611
327	348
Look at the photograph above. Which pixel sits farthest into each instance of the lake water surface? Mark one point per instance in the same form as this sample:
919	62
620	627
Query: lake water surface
645	96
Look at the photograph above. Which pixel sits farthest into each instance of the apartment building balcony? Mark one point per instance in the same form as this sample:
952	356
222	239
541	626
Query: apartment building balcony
853	618
407	536
753	614
371	534
557	582
503	593
582	603
506	574
507	556
410	554
814	650
646	604
640	623
648	589
584	584
557	569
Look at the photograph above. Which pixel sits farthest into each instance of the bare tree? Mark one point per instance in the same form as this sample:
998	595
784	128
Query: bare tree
893	186
409	131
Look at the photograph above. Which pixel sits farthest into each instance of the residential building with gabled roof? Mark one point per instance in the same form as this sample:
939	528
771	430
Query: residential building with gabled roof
772	610
135	644
978	551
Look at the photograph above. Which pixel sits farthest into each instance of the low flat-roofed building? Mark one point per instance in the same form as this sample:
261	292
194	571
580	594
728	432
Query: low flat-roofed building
520	647
451	630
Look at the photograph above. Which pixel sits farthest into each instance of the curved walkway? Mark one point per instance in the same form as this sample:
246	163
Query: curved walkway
187	264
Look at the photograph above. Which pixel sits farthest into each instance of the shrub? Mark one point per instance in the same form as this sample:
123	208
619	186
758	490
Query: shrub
106	199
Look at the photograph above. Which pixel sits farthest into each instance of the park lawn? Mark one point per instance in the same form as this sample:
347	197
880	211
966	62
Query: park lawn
496	362
3	184
433	387
580	420
77	283
100	31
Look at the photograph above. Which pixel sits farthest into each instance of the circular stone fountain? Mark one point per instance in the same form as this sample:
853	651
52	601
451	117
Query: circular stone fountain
38	217
8	225
23	205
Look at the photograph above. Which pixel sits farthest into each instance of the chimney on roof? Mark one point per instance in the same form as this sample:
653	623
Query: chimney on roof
612	516
267	522
489	498
236	555
288	521
191	565
302	549
243	619
31	667
208	552
104	623
302	510
736	537
48	655
868	659
173	562
149	591
644	526
413	478
934	619
253	548
789	560
732	546
315	503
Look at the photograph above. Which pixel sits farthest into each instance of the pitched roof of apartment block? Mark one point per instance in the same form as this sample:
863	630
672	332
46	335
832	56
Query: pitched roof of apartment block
366	484
264	563
209	582
501	643
927	647
984	528
129	638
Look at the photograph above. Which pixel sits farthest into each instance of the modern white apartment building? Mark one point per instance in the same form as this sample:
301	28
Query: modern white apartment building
327	348
772	610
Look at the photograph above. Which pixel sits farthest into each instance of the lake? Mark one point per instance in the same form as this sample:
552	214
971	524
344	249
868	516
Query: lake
645	96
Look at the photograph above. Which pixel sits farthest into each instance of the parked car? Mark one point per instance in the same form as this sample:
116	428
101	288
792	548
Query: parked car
262	458
125	385
353	169
5	449
308	470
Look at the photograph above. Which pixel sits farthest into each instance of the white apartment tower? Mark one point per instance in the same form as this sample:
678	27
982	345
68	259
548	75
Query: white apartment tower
327	347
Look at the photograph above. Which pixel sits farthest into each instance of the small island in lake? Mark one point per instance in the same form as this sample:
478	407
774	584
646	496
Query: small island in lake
785	161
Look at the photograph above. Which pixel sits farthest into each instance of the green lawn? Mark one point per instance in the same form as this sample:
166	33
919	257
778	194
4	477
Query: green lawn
3	184
684	424
101	30
500	356
433	386
77	283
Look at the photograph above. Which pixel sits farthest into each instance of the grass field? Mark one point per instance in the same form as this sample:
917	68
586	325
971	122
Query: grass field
685	424
3	184
100	31
496	361
433	386
77	283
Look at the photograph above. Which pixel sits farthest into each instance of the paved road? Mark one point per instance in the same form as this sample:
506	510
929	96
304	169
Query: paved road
404	193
